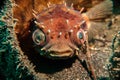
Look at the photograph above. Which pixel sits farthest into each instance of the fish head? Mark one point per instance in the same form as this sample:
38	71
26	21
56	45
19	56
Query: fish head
60	33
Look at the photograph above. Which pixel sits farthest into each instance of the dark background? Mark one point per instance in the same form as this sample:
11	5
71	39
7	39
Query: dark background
116	6
1	3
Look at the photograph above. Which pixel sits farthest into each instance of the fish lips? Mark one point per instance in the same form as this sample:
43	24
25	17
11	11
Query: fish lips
60	55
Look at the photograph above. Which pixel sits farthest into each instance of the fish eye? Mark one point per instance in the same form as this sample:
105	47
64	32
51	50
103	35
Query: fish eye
80	35
38	37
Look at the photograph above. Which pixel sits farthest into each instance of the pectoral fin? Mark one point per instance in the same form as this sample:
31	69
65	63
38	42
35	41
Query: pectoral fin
100	11
95	17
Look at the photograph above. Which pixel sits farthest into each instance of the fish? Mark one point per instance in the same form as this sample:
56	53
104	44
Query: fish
61	32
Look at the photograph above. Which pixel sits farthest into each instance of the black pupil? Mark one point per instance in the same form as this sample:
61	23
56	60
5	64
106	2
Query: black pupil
39	37
80	35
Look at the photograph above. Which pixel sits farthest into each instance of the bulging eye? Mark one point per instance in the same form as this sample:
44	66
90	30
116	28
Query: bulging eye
80	35
38	37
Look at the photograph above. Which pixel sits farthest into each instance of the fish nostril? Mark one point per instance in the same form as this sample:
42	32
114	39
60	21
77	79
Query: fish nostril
58	36
66	36
52	37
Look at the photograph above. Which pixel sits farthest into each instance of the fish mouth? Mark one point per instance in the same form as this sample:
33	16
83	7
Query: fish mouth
62	54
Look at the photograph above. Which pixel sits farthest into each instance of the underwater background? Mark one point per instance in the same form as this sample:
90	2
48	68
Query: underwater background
14	65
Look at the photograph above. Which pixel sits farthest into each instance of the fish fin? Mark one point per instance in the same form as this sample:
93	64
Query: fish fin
95	18
100	11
